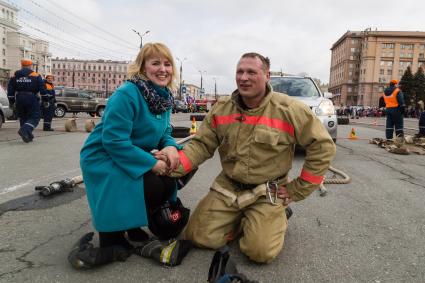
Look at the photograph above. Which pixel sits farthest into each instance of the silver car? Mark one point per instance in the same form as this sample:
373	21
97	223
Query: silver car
306	90
5	111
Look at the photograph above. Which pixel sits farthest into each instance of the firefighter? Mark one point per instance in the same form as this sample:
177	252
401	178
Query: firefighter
255	132
48	103
25	86
394	104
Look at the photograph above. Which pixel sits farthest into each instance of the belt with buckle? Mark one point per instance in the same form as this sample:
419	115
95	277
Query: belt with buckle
241	186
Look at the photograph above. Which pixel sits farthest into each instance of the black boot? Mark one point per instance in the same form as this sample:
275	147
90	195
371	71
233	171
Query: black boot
137	235
171	254
25	136
85	256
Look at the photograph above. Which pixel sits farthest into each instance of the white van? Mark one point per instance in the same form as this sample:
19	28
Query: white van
5	110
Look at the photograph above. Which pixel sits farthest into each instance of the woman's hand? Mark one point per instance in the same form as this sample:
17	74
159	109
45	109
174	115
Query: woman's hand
161	168
170	155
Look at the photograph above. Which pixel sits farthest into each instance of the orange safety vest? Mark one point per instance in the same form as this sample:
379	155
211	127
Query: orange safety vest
391	100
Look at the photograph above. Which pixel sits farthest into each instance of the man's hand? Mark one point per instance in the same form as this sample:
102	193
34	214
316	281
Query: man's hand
282	193
170	155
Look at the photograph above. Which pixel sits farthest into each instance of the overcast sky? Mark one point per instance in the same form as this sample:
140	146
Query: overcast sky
212	35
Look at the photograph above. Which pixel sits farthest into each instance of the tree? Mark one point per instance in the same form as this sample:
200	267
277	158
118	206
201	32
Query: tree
419	85
407	86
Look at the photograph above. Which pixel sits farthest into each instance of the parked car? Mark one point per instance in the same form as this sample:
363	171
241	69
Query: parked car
71	100
5	111
306	90
179	106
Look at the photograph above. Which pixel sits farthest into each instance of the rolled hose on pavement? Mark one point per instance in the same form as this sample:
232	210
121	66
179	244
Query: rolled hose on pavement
345	180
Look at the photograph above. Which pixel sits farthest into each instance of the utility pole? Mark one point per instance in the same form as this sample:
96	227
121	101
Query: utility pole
141	36
73	76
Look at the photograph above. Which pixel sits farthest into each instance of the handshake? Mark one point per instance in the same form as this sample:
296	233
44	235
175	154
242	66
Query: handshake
168	161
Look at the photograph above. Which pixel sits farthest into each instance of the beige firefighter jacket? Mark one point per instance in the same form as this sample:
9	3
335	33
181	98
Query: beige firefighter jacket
257	145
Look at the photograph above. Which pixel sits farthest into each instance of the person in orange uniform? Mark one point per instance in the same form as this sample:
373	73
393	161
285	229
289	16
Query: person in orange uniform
394	103
48	103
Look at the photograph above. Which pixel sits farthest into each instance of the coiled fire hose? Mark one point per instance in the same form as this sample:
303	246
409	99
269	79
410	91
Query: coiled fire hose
345	180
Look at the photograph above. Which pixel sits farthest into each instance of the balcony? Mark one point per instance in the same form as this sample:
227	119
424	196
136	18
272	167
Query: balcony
10	24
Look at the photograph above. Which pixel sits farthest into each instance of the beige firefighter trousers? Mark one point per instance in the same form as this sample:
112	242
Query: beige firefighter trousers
262	225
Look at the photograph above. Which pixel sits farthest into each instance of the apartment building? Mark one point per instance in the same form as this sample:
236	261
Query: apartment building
21	45
7	23
364	62
102	76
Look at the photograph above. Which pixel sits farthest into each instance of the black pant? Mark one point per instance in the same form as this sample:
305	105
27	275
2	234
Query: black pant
158	189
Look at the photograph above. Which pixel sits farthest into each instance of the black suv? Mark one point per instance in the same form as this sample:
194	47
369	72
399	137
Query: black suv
71	100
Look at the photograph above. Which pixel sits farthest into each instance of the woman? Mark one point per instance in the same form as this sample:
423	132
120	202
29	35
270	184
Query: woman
123	180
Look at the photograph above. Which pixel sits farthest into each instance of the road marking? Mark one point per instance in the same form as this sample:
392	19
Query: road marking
16	187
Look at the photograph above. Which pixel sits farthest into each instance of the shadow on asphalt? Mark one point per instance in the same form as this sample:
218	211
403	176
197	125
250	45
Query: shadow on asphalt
37	202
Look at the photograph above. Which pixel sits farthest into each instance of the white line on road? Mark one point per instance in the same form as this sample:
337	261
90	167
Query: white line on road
16	187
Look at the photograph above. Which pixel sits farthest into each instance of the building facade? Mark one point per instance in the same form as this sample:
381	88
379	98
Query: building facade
364	62
8	23
21	45
101	76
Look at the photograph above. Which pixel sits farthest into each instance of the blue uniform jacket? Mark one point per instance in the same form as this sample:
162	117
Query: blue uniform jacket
25	80
117	154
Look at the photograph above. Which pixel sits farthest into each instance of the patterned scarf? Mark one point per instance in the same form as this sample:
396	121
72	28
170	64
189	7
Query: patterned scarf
157	103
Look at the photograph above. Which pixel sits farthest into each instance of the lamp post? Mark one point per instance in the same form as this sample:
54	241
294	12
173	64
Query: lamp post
181	75
141	36
202	72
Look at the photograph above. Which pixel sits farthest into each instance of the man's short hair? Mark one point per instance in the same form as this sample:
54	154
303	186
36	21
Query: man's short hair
264	60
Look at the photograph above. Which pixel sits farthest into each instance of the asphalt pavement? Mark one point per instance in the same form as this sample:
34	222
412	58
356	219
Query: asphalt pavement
370	230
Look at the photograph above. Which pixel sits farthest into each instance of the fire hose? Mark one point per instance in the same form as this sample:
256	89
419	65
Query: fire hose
333	180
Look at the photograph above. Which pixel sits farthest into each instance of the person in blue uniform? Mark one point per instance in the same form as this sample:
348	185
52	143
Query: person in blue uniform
48	103
394	104
124	180
25	86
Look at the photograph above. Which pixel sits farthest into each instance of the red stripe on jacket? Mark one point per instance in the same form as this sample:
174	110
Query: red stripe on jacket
254	120
307	176
185	162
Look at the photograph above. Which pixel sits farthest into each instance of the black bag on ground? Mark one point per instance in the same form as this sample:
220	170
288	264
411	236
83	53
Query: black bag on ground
168	220
223	269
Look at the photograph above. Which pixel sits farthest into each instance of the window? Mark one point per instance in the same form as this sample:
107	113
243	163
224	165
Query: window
381	71
406	46
387	45
4	62
389	72
4	40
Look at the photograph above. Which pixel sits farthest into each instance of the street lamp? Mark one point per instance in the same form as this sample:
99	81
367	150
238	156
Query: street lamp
141	36
202	72
181	75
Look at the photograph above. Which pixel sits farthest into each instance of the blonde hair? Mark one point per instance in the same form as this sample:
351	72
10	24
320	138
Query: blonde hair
149	50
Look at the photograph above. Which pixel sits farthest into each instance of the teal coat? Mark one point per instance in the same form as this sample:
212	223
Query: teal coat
117	154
